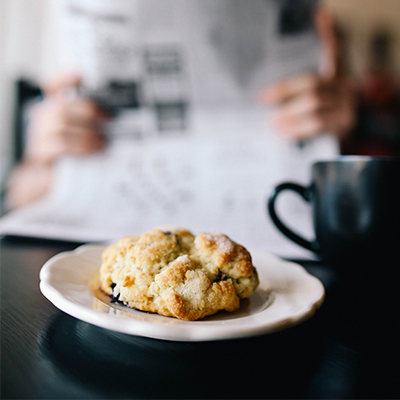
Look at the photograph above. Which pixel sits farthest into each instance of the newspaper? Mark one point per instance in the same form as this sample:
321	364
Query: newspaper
165	56
187	145
202	183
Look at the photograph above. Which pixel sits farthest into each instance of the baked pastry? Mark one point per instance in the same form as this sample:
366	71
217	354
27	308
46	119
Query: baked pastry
171	272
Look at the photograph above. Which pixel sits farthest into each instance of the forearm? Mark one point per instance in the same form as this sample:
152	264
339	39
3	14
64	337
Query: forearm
29	181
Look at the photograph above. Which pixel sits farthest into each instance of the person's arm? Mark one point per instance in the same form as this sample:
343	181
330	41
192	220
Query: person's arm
310	104
58	126
29	181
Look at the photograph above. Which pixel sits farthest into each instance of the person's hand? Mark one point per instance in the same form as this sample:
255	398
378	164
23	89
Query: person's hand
308	105
63	124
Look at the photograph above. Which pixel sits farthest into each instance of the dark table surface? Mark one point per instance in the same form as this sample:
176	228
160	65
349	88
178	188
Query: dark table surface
348	349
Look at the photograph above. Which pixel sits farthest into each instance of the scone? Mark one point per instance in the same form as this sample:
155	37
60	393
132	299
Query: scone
171	272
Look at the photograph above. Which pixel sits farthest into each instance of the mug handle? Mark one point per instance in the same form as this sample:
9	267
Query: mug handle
305	193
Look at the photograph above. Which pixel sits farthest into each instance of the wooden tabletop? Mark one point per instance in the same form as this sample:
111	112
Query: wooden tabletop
349	349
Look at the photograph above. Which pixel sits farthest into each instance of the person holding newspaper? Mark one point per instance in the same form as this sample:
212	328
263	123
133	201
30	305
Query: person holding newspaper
305	105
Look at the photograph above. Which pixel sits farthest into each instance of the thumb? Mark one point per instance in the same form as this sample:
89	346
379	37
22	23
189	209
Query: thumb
327	35
62	81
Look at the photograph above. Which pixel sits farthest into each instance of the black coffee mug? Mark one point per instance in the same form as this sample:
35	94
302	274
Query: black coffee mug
355	204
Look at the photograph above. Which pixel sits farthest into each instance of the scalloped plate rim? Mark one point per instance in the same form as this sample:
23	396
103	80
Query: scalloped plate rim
165	328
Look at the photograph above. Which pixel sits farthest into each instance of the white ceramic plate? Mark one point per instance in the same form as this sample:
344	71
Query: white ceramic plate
286	296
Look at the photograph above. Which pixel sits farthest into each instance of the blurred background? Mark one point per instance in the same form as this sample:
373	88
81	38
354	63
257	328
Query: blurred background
369	30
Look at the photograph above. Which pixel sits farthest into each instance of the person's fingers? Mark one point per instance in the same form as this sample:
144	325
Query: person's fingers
330	95
51	118
326	31
300	127
288	88
79	140
61	81
54	113
73	141
307	103
57	129
85	111
335	120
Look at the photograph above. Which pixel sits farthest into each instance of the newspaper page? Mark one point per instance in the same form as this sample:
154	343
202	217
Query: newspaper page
154	62
187	145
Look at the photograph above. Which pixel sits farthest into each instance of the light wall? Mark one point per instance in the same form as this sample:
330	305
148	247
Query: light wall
360	18
27	42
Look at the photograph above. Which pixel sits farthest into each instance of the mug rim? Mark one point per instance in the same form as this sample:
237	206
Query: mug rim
356	158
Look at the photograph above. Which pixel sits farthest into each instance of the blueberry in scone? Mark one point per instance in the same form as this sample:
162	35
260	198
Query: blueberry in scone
171	272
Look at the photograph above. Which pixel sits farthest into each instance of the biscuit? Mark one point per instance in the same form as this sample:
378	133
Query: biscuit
171	272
